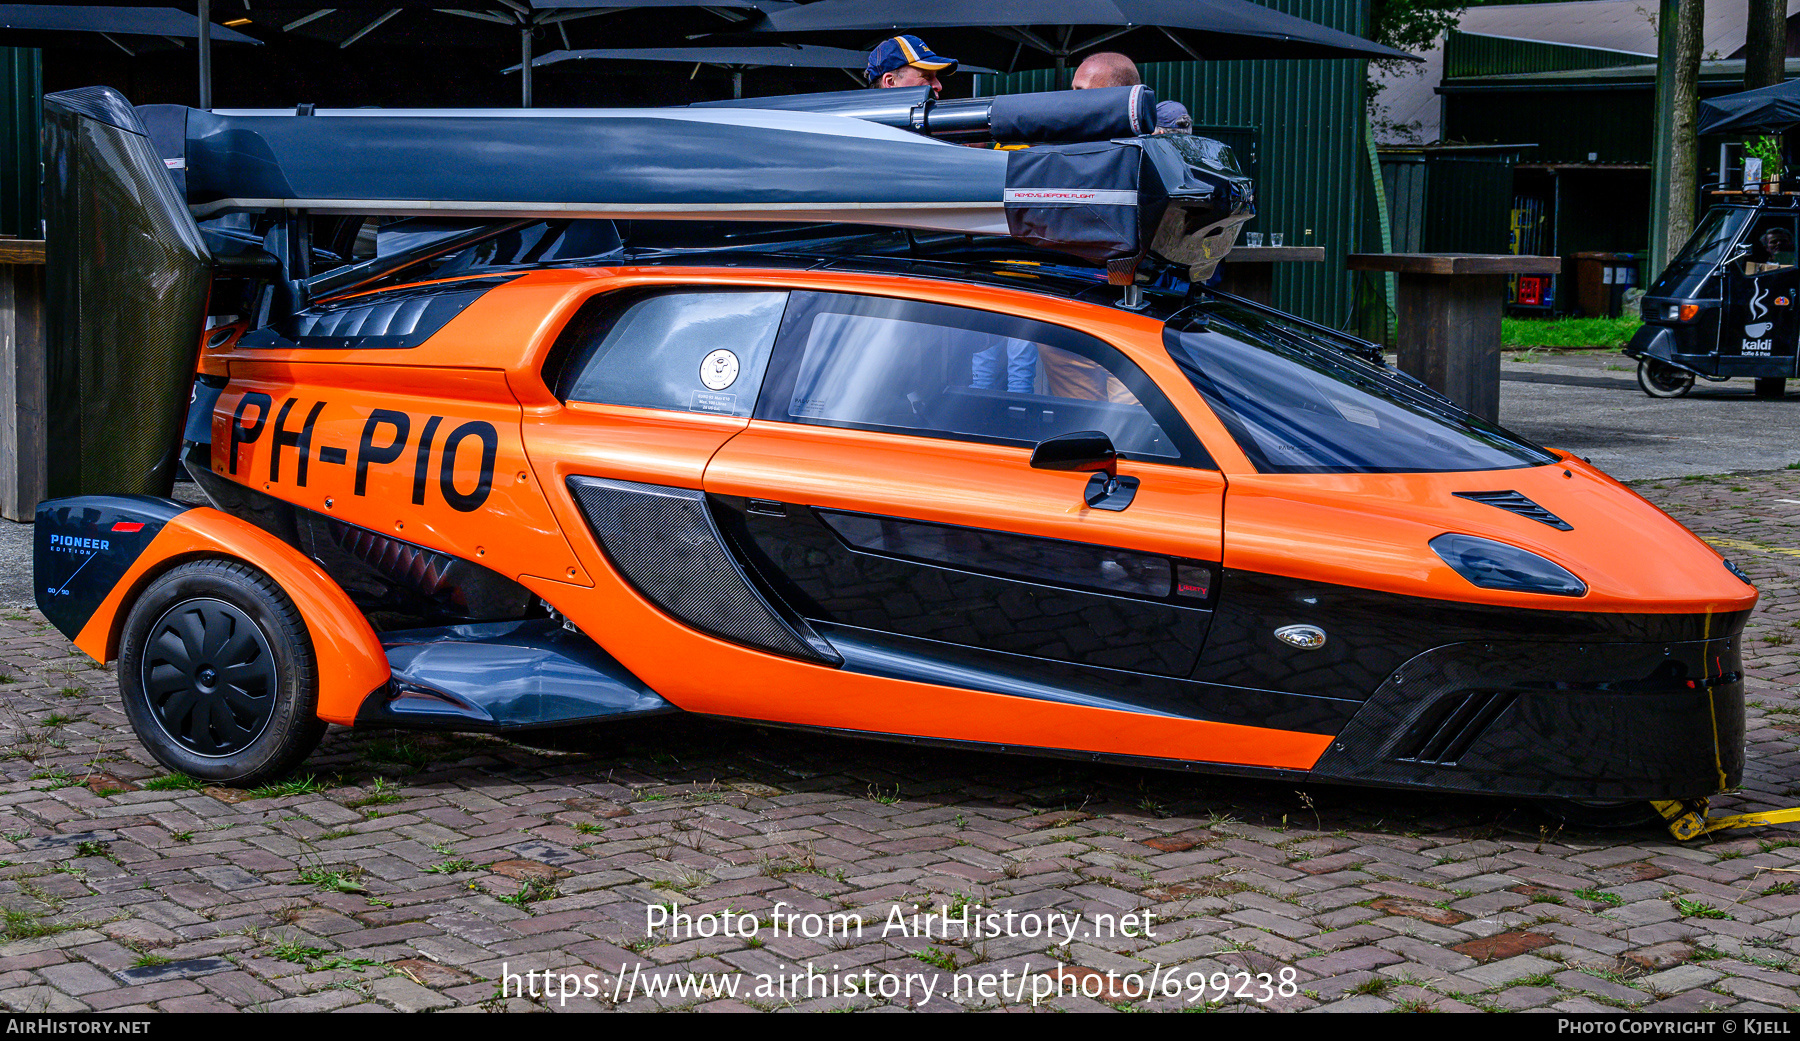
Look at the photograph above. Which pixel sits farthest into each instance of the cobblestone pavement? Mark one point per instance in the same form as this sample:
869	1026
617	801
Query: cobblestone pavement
412	872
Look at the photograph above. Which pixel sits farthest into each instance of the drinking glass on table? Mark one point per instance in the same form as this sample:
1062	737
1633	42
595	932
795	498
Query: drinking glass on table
1253	238
1275	238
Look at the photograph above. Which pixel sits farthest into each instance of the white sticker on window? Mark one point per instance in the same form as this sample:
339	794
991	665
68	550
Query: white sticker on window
708	402
719	370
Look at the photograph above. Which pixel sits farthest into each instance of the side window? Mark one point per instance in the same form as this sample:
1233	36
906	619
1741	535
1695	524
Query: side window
1771	244
883	364
689	350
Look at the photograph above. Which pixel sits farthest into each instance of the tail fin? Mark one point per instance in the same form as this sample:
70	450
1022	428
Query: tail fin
127	277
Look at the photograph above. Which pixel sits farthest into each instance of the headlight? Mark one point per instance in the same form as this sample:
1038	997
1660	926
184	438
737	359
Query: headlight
1495	565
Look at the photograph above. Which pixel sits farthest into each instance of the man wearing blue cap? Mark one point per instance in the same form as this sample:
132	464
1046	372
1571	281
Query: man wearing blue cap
905	61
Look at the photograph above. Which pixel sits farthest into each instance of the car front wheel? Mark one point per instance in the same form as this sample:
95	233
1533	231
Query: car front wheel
1662	380
1603	814
218	675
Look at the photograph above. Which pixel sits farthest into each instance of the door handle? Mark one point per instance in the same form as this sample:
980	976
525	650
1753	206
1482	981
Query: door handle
1106	491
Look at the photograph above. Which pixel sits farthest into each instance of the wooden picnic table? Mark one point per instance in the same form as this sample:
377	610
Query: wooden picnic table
1448	309
1249	271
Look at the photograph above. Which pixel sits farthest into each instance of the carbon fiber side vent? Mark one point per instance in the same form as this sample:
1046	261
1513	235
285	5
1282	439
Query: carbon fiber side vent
665	543
397	319
1513	502
1455	730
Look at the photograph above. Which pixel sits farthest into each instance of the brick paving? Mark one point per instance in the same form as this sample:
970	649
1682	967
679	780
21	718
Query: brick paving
412	872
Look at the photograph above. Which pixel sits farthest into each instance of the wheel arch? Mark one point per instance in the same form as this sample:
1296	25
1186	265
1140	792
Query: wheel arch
352	663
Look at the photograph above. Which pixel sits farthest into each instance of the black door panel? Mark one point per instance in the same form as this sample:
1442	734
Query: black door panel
1012	607
924	661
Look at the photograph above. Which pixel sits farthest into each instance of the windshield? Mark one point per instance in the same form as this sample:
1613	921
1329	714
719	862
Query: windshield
1296	405
1686	275
1708	243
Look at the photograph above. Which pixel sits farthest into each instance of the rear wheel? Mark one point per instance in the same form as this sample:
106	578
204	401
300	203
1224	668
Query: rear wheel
218	675
1662	380
1774	387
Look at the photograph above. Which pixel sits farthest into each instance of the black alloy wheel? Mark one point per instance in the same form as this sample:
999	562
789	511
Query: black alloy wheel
218	674
1662	380
209	677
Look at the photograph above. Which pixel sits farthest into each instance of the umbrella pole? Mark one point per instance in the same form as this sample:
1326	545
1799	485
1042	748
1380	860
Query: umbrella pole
737	83
205	27
525	68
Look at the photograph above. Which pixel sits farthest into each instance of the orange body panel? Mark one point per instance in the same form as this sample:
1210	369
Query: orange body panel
629	444
467	490
1366	531
351	661
1176	512
1372	531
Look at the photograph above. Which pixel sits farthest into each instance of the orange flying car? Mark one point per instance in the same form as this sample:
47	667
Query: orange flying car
561	472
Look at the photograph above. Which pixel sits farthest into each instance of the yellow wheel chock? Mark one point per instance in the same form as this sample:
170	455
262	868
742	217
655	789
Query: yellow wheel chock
1688	820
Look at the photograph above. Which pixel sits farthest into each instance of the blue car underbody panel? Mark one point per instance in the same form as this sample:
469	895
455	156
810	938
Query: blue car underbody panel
504	676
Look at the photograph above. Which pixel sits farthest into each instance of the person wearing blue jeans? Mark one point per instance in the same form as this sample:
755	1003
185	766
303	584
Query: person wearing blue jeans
1021	367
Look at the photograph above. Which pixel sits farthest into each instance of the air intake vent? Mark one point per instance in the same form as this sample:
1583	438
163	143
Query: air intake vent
397	319
455	589
1446	741
665	543
1513	502
415	567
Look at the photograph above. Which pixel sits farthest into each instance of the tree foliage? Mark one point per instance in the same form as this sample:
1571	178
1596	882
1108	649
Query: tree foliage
1413	25
1407	25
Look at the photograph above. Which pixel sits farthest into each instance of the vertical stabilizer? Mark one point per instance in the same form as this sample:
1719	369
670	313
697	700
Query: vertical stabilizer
126	278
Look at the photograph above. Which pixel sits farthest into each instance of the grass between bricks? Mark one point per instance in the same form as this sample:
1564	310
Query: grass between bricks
176	782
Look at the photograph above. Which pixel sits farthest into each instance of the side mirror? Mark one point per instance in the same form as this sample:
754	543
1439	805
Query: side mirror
1088	450
1742	251
1085	450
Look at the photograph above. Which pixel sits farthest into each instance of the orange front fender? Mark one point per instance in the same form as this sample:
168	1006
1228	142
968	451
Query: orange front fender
351	660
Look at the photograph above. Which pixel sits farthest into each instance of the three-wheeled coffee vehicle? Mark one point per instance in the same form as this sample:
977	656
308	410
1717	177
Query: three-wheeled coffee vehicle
1724	307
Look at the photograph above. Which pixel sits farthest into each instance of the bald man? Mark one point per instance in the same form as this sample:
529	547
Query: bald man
1112	69
1106	69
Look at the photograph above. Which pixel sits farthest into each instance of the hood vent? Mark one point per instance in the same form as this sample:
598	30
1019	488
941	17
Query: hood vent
1513	502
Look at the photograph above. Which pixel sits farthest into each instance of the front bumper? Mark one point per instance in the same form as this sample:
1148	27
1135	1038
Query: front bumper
1656	720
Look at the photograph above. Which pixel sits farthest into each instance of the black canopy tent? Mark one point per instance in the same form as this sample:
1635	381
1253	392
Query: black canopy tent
348	22
1021	34
529	15
735	60
159	18
1763	110
40	25
128	27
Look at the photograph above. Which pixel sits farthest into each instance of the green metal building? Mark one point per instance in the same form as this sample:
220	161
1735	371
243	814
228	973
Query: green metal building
21	114
1584	184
